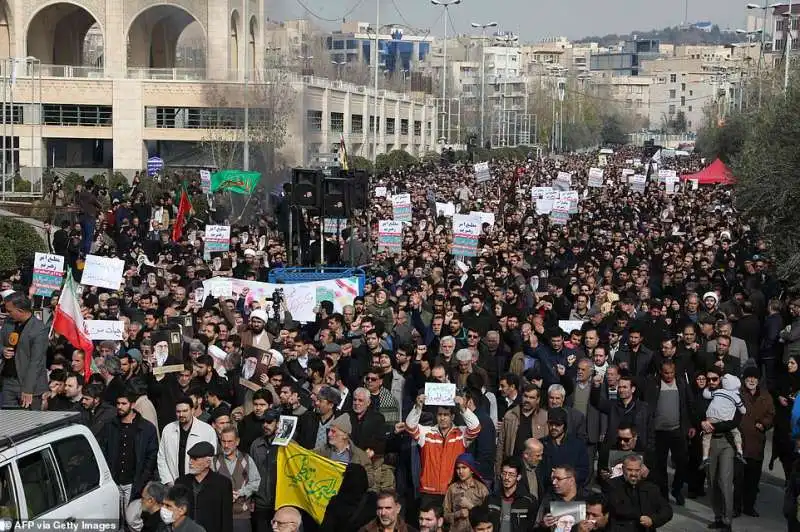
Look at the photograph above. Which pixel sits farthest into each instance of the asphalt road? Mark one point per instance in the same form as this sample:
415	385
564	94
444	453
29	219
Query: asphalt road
696	514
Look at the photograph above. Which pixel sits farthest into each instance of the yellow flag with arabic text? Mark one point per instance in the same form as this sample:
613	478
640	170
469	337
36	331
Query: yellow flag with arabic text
306	480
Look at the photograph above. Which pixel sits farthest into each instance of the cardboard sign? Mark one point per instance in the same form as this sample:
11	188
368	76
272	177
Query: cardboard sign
482	173
485	217
466	231
440	394
570	325
218	238
105	329
102	272
445	209
544	206
205	181
48	271
637	183
401	207
560	213
390	235
380	192
595	178
539	192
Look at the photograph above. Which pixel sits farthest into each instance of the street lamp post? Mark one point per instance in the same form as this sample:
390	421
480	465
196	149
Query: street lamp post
507	40
763	9
339	65
483	74
446	5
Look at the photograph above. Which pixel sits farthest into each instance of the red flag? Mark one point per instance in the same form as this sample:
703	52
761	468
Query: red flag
68	322
184	208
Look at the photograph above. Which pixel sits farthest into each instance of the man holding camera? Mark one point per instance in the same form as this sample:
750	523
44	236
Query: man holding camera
89	206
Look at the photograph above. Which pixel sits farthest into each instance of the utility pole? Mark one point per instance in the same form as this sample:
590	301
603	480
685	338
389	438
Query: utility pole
377	68
246	154
483	75
446	5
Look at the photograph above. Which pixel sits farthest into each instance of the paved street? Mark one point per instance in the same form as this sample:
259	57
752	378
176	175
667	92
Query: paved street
697	514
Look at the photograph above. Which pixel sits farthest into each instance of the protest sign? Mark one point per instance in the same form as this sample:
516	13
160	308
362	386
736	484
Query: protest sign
563	181
486	217
637	183
569	325
482	173
48	270
440	394
102	272
300	299
671	183
626	172
390	235
663	174
539	192
466	230
544	206
401	207
595	178
105	329
572	196
205	181
602	160
445	209
560	213
218	238
695	183
552	195
380	192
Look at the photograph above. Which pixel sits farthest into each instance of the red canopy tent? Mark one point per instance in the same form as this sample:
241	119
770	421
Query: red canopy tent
714	174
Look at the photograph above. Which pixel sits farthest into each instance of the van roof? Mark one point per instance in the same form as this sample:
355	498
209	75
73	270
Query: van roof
20	425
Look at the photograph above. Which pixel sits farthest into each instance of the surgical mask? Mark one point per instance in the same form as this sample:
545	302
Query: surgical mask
167	516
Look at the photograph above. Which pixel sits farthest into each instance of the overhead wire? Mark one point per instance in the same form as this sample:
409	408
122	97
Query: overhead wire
325	19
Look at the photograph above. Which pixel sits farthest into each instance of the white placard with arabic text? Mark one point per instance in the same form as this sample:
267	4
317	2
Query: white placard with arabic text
103	272
440	394
105	329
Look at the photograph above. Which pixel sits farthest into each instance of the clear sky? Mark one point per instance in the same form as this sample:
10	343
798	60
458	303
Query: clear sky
531	19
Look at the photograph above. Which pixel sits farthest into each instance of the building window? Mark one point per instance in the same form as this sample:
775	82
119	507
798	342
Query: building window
337	122
404	126
314	120
417	128
338	45
76	115
690	108
372	125
683	101
352	44
691	93
390	126
671	94
671	110
357	123
683	87
673	78
429	127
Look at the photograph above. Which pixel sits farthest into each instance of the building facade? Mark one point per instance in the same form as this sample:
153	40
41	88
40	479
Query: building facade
134	102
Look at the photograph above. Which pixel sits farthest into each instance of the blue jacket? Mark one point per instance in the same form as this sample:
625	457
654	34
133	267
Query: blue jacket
572	451
796	419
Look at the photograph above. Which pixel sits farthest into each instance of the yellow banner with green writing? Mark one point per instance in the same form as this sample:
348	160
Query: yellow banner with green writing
306	480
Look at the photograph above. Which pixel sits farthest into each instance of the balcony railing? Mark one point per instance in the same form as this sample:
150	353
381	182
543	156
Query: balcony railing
167	74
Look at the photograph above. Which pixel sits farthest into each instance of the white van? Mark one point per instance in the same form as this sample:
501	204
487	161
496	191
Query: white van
52	468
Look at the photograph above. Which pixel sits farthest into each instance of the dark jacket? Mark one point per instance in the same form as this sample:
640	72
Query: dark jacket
637	412
760	409
153	523
572	451
595	422
31	355
370	426
353	506
482	321
628	503
265	456
770	347
524	509
639	361
212	505
250	429
732	364
100	417
652	390
145	450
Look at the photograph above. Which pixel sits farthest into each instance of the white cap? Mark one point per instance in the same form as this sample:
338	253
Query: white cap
277	357
249	252
5	293
217	353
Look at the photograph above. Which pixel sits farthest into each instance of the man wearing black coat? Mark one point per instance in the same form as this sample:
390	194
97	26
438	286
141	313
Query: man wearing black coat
130	445
635	357
366	422
636	504
212	506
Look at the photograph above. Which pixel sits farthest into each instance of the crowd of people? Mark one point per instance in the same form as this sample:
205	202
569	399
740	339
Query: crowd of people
604	370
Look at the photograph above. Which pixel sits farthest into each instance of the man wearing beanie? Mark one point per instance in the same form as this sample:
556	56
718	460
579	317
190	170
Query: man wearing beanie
755	423
339	447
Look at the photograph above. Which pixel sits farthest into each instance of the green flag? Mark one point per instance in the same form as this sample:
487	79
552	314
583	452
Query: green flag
237	181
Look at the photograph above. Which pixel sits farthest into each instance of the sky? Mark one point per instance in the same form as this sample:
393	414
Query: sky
532	20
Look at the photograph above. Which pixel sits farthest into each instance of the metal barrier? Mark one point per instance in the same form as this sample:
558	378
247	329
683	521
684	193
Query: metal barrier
294	275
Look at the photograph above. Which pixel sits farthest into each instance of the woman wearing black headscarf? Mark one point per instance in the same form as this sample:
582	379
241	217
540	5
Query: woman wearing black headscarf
782	444
353	506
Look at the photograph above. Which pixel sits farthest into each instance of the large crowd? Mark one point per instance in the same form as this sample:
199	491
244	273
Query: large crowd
604	370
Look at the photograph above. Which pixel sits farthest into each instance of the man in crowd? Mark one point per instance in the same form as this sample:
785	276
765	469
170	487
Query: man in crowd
176	440
211	506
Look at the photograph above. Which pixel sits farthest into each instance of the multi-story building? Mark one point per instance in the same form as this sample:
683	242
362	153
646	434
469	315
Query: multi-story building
627	59
398	49
138	102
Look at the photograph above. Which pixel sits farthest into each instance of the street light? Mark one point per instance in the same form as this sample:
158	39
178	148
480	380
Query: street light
483	73
507	40
446	5
339	65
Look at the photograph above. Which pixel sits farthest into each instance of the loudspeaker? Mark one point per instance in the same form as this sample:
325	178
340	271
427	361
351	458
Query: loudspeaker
359	190
307	188
335	200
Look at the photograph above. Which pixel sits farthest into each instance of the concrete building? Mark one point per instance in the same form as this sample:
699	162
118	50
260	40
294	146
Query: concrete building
138	102
625	61
398	49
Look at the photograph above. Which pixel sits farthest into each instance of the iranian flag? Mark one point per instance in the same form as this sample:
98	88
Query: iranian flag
68	322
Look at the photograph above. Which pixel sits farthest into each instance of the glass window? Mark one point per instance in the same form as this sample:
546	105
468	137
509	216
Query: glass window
352	44
404	126
417	128
338	45
314	120
337	122
40	483
8	499
357	123
79	469
390	126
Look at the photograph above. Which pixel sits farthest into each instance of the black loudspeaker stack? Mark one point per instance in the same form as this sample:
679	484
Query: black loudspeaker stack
336	196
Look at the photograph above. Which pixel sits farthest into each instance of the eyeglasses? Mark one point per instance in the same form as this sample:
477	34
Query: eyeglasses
561	479
473	336
372	379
